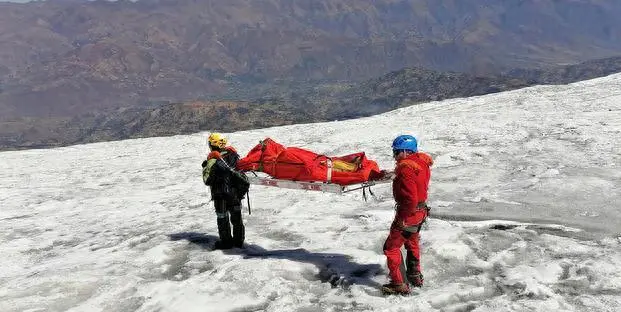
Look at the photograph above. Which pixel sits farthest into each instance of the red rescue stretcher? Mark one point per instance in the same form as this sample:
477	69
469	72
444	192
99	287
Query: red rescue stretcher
273	164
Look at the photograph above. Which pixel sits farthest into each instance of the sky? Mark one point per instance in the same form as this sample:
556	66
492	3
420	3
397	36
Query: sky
525	216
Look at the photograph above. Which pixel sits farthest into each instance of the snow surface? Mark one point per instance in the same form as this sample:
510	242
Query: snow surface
128	226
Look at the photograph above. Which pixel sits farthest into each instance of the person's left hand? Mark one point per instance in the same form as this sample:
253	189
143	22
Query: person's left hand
398	224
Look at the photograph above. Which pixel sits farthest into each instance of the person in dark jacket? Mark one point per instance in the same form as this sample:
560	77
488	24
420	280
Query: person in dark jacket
218	175
413	172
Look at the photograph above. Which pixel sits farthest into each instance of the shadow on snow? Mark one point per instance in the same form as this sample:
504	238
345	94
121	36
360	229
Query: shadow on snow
337	269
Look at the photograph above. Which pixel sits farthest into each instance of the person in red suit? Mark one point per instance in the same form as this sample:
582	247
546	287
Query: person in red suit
410	185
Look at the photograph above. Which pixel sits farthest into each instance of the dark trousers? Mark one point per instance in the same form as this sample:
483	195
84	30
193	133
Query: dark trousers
224	210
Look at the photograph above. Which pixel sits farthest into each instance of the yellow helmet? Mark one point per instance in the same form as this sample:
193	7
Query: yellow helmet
217	140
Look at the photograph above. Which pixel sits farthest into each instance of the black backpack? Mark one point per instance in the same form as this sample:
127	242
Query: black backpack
242	186
240	183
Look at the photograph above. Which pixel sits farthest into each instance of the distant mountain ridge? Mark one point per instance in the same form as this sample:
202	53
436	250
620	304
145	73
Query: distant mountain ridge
288	105
66	58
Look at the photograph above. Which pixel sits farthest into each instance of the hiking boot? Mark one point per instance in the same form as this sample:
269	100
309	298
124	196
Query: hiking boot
223	245
395	289
415	279
238	244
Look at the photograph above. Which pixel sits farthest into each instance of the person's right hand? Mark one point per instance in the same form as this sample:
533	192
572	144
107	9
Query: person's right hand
386	174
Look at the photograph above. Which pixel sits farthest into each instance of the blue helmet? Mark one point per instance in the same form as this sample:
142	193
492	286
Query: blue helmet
405	142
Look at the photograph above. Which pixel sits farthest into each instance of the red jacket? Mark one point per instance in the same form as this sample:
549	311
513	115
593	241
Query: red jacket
410	185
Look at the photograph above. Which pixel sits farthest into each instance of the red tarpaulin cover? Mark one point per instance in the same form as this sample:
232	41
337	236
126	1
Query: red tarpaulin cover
292	163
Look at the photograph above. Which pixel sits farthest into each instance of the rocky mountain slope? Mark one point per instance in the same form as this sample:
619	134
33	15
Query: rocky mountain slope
65	58
285	104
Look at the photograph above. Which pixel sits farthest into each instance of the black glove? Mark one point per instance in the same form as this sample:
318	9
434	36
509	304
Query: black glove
204	164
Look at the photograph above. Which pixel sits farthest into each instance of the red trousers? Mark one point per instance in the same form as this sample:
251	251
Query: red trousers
392	250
